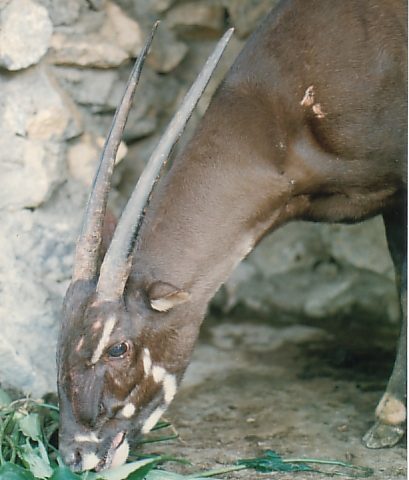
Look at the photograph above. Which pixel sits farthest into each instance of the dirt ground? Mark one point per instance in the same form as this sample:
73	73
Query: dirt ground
297	389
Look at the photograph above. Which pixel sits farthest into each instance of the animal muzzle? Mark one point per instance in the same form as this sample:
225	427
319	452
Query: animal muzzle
85	451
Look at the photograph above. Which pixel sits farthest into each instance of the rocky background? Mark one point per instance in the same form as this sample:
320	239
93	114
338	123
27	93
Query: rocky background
63	66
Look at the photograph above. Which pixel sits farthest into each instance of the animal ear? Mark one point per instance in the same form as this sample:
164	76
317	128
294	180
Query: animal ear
164	296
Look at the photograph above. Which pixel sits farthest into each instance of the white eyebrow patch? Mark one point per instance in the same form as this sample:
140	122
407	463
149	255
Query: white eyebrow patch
128	410
90	461
152	420
103	342
158	373
169	387
147	361
87	438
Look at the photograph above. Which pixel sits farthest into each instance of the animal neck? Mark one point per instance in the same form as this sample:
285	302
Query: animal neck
218	199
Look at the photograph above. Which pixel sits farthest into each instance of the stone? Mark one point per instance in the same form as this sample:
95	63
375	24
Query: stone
36	249
25	33
166	51
35	124
125	31
146	8
91	50
83	157
62	12
245	16
90	87
196	19
316	272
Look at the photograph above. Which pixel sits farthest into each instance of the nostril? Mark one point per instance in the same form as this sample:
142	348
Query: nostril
74	460
77	465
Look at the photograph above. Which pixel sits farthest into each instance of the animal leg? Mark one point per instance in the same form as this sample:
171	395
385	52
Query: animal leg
390	413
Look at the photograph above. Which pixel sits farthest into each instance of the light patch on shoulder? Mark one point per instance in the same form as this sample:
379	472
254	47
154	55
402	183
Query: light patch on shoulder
121	454
317	109
308	98
169	387
128	410
147	361
90	461
152	420
158	373
104	340
87	438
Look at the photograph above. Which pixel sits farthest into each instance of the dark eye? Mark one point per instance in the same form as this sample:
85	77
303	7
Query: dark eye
118	350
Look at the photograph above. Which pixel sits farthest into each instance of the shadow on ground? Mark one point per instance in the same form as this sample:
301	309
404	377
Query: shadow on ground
299	390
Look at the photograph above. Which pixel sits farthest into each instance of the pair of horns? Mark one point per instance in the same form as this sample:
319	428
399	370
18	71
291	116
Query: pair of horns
116	265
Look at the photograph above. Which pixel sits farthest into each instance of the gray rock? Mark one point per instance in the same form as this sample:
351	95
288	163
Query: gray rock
303	271
35	264
245	16
166	51
35	124
62	12
25	32
91	50
195	19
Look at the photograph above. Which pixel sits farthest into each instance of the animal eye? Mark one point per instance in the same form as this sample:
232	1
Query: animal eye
118	350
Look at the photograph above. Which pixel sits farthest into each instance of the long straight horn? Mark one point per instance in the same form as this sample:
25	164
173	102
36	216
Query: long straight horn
116	266
89	241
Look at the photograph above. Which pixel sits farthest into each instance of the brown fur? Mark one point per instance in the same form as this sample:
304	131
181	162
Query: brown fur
261	157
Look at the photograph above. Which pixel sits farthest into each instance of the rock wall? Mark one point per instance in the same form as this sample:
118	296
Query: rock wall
63	67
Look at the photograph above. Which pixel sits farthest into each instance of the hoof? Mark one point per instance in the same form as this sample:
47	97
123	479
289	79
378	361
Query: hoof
381	435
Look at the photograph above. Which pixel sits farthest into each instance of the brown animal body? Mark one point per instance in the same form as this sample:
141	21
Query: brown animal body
309	123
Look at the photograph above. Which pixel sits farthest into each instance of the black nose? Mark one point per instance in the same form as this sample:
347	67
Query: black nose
73	459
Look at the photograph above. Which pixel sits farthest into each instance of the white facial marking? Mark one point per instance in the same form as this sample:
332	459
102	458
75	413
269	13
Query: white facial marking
169	387
158	373
96	325
152	420
79	344
121	454
90	461
103	342
147	361
128	410
87	438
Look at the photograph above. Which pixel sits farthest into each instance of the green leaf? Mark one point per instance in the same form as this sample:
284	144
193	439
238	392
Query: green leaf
9	471
273	462
5	398
35	461
30	426
64	473
122	472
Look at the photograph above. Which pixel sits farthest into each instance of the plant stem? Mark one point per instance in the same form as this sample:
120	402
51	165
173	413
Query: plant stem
217	471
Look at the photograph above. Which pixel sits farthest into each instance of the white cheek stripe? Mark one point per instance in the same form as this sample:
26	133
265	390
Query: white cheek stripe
152	420
87	438
147	361
90	461
128	410
158	373
169	387
103	342
120	455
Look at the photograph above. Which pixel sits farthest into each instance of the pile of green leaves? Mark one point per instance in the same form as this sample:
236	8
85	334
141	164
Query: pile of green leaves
28	431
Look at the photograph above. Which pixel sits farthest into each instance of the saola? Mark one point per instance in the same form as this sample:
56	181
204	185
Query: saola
309	123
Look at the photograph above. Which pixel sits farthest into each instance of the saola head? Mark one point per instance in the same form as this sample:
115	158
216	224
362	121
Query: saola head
122	351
